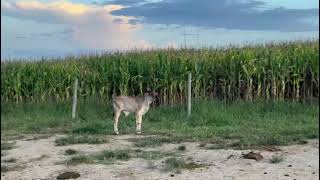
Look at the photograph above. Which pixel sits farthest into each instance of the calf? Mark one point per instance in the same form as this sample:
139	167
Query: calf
135	104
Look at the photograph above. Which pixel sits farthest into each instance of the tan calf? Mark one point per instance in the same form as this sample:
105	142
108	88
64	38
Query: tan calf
134	104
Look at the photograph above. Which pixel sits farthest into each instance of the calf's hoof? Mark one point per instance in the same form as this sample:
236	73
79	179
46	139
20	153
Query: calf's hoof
138	132
116	132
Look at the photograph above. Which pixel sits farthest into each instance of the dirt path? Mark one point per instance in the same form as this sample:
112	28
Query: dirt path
41	159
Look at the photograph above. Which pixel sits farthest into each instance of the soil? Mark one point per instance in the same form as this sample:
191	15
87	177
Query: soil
42	159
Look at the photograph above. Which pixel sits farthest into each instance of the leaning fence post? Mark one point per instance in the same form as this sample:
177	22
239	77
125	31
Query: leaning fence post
189	94
74	104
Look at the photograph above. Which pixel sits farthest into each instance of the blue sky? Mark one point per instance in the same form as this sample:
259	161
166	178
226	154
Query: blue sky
35	28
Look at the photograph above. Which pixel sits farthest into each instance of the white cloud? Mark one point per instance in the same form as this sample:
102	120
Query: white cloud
92	26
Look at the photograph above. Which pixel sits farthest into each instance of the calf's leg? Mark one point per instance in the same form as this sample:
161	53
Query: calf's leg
115	121
138	123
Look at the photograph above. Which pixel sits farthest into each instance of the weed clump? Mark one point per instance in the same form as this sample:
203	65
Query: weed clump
82	139
276	159
177	164
70	152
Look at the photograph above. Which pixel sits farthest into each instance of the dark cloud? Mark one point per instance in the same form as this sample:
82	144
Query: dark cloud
229	14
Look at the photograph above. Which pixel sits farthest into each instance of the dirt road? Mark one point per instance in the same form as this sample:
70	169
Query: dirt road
41	159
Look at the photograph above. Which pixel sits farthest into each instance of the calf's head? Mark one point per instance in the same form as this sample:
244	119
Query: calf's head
150	96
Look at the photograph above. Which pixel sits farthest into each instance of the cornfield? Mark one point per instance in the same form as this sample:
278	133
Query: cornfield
275	71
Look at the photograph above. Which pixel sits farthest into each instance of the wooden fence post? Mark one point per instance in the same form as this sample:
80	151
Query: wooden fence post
74	104
189	94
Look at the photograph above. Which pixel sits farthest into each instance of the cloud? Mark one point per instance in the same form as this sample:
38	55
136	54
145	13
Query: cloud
124	2
62	33
90	26
21	37
228	14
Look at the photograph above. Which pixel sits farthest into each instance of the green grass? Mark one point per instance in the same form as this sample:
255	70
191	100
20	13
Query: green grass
172	164
151	155
80	159
80	139
245	123
103	157
114	155
111	156
153	141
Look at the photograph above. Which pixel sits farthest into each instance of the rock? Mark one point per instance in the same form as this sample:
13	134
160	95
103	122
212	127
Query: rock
289	165
230	156
313	172
68	175
286	175
252	155
172	175
265	173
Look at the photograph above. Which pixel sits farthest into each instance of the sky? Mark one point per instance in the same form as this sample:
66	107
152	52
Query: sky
59	28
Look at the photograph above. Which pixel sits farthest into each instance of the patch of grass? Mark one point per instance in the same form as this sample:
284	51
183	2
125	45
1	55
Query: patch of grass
114	155
249	123
111	156
80	159
91	128
153	141
7	146
80	139
70	152
182	148
276	159
177	164
103	157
